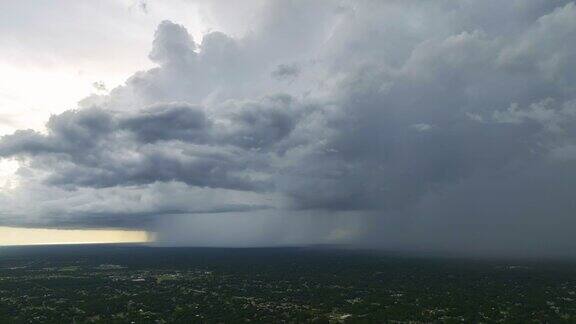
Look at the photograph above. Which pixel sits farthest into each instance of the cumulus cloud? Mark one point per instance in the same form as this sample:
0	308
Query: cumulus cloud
413	125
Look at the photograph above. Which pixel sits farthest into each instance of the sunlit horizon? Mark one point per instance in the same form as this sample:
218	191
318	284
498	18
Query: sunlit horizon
14	236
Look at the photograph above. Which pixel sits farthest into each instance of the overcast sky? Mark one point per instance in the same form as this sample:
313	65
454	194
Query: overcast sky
404	125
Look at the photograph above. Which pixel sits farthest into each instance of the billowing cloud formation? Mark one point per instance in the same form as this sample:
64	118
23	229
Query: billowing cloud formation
411	125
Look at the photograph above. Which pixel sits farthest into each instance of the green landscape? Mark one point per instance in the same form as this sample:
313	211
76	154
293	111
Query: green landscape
139	284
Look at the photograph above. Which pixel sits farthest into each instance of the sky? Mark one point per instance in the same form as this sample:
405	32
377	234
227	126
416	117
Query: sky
31	236
402	125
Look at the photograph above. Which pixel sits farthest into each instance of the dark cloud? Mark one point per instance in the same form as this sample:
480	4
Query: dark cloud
425	125
169	122
96	148
263	124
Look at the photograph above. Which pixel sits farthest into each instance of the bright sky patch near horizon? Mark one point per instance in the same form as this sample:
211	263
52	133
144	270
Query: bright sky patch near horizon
35	236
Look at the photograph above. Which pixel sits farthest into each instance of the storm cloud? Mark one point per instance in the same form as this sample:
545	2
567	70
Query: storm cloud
411	125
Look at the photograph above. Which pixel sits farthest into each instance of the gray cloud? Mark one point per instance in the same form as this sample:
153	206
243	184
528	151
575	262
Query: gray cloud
168	122
426	125
285	71
96	148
